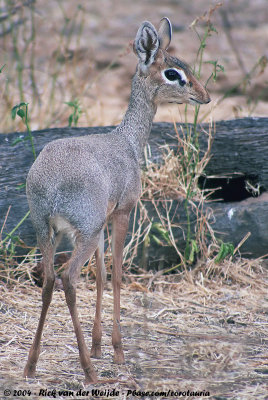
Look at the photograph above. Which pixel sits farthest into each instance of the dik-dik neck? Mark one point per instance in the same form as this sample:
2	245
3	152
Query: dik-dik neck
137	122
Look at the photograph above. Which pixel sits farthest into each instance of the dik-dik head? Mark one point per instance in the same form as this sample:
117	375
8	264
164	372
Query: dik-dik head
167	78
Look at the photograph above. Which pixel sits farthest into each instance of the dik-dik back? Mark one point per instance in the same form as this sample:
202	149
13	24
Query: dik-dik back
77	184
80	181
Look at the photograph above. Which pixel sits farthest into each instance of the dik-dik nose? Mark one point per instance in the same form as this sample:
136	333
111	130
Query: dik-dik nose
207	98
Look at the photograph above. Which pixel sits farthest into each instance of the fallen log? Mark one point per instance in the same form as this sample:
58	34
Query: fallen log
232	223
240	147
239	154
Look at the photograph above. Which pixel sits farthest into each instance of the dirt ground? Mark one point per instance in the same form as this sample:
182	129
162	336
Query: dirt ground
197	334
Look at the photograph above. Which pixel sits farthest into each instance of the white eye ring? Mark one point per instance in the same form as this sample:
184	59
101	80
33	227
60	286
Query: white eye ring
180	72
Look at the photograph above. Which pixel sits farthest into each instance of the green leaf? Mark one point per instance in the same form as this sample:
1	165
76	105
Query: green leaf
220	68
70	103
70	120
14	112
16	141
211	62
156	240
193	252
1	69
21	186
23	104
226	249
146	242
157	227
21	113
212	28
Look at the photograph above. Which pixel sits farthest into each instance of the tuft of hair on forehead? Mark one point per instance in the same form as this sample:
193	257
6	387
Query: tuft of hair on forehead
175	62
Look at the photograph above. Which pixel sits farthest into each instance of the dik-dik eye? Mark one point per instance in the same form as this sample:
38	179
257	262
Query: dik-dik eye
174	75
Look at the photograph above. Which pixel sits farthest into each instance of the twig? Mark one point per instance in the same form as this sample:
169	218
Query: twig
16	227
4	223
227	29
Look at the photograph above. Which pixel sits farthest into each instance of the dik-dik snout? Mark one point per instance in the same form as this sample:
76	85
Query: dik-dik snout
179	85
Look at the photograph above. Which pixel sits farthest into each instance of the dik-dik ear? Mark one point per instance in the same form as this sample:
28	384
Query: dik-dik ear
164	33
146	46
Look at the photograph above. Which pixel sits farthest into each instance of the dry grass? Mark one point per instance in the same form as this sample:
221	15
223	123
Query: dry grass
180	170
205	329
176	178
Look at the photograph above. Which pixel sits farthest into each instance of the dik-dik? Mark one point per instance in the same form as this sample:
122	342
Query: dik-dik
77	185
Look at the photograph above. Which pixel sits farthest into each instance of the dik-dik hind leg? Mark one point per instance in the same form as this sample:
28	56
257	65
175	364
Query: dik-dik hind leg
49	279
100	280
83	251
120	227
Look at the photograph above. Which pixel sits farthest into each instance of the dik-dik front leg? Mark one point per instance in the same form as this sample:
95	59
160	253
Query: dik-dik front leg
120	227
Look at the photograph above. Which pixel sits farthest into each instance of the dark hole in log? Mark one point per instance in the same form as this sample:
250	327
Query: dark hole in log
230	189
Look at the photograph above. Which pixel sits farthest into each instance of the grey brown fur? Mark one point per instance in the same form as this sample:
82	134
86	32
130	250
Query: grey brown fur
76	185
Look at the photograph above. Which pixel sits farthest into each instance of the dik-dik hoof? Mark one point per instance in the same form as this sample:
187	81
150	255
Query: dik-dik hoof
119	357
29	371
90	376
